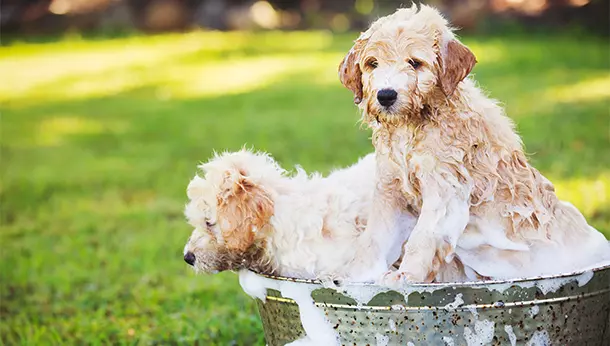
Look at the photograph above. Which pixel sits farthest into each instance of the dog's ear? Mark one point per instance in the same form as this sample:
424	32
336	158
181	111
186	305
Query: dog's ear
455	61
350	73
244	208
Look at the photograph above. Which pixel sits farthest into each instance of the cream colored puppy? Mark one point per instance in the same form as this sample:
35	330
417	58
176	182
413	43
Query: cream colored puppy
448	152
248	213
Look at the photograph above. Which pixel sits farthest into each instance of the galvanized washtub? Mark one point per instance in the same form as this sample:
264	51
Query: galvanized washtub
571	309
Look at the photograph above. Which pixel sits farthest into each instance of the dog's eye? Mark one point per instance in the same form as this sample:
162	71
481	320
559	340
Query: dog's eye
210	224
415	63
372	63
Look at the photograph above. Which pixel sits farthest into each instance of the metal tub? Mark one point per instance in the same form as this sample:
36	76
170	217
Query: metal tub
571	309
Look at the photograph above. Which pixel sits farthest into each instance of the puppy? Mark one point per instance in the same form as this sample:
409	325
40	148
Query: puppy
247	213
448	154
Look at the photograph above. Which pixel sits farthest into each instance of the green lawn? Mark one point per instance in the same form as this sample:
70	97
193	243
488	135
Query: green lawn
100	137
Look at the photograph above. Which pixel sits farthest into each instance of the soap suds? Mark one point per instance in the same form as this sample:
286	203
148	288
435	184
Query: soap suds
511	335
473	310
382	340
547	285
363	294
448	341
318	330
392	325
534	310
552	285
456	303
540	338
304	341
252	285
483	330
584	278
483	333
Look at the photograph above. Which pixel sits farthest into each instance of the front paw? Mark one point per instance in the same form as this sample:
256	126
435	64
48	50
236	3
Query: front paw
396	278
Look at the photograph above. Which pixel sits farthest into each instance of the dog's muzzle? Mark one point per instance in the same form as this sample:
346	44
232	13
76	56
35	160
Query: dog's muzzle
387	97
190	258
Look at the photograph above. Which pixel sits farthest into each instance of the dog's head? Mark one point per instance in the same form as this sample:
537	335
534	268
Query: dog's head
403	62
230	208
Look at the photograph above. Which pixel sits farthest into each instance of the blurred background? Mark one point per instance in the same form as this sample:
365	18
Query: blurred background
107	106
55	16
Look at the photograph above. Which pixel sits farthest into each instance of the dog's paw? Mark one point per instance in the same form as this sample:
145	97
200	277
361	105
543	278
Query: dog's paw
401	277
396	278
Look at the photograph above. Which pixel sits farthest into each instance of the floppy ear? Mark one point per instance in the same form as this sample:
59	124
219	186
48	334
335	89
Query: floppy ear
350	73
244	208
455	62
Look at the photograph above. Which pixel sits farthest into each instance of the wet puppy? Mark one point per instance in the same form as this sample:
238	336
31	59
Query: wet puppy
248	213
447	153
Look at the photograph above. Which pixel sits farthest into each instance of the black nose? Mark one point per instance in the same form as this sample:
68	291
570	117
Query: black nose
386	97
189	258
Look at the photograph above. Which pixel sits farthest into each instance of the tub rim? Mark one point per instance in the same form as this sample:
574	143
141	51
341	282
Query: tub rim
442	285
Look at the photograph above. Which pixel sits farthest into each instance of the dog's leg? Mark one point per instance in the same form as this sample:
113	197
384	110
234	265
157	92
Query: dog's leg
389	225
443	217
385	230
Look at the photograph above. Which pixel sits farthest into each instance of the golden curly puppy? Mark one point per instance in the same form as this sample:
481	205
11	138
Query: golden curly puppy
249	213
447	151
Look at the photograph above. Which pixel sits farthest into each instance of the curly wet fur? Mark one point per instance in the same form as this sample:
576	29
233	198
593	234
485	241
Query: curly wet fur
248	213
456	160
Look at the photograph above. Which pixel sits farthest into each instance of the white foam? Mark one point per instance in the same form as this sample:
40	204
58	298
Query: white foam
251	284
318	330
534	310
483	333
304	341
382	340
417	289
584	278
547	285
602	263
473	310
392	325
456	303
363	294
448	341
511	335
540	338
552	285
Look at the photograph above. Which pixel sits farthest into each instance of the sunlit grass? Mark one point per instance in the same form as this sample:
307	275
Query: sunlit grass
100	137
591	196
587	90
210	62
52	131
178	81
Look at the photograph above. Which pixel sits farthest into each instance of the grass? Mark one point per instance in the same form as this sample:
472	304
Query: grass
100	137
